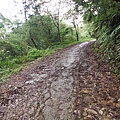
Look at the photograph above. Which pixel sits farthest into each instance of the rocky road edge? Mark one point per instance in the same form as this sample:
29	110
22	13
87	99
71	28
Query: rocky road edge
97	88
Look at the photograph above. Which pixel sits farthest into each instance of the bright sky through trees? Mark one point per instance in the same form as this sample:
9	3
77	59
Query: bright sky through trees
14	10
9	9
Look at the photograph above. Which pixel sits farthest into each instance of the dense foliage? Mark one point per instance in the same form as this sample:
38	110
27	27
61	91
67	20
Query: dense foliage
37	37
104	16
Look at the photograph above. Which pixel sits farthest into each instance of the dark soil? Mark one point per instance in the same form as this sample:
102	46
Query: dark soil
98	89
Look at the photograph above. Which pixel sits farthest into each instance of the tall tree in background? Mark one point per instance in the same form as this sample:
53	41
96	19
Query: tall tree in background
56	18
76	29
73	16
27	7
55	9
58	11
34	10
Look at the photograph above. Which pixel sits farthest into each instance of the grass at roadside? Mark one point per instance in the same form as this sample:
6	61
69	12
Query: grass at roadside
12	66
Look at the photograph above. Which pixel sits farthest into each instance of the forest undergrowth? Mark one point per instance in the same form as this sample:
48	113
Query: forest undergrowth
11	66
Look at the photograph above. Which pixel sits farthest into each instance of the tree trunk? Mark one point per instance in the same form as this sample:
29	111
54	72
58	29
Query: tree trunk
76	31
25	10
31	38
77	36
59	39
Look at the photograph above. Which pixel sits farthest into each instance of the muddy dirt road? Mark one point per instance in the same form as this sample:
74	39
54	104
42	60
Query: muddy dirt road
51	89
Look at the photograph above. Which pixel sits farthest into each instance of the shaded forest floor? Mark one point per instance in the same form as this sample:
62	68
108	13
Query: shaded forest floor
72	84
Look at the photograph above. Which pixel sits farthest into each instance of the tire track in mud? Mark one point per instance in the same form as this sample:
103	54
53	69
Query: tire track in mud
48	94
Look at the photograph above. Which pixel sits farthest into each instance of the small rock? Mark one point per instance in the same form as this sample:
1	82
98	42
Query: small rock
31	111
110	101
79	112
9	86
103	102
85	109
15	88
75	112
103	109
107	117
62	68
46	96
118	105
29	82
85	113
100	112
89	117
85	91
119	100
43	75
92	111
16	101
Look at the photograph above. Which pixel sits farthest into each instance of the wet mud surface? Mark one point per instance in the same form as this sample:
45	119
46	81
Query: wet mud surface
68	85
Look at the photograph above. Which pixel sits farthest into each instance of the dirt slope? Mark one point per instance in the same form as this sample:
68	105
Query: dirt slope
68	85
